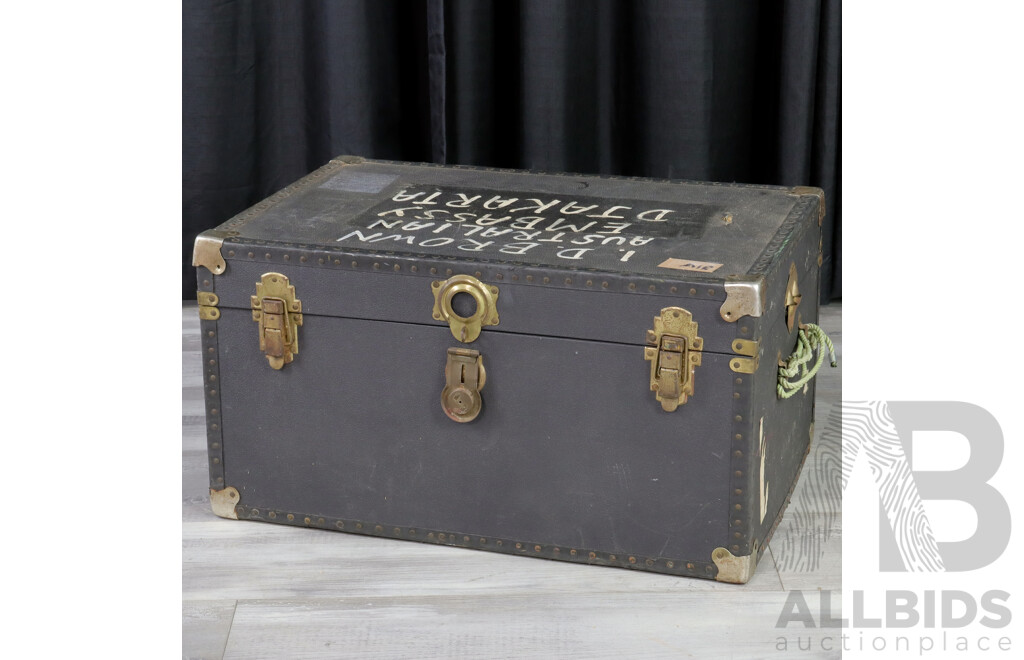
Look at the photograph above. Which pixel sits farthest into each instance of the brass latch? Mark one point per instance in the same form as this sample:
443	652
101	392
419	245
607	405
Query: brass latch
464	377
674	350
465	328
279	314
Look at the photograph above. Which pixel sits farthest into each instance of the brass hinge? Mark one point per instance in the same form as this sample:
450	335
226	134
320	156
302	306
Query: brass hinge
464	377
749	348
208	306
279	314
674	350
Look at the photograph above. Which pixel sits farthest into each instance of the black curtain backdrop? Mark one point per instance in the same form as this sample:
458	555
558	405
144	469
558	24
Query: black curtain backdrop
718	90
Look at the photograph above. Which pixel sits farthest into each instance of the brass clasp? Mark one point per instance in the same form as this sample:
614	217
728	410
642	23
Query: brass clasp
674	350
464	377
279	314
465	329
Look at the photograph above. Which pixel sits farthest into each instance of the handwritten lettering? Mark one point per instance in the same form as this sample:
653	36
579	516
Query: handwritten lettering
590	230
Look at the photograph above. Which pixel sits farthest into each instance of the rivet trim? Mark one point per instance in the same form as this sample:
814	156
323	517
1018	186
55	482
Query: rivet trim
421	264
211	374
690	568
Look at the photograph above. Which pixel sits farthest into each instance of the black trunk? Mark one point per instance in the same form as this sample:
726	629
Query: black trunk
567	451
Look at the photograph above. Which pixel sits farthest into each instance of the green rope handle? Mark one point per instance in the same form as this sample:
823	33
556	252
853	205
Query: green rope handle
810	338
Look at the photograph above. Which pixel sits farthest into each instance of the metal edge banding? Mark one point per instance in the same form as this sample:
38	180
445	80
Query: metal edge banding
740	535
681	567
613	177
211	393
275	254
349	159
782	236
314	177
817	192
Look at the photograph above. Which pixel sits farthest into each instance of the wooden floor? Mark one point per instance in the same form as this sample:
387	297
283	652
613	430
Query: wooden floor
255	590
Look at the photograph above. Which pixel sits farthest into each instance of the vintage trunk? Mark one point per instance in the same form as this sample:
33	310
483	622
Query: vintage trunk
572	367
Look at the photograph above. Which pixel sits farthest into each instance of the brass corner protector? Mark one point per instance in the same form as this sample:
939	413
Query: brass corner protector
744	296
206	252
733	569
751	350
208	306
223	502
810	190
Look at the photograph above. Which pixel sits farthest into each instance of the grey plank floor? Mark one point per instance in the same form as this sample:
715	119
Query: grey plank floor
253	590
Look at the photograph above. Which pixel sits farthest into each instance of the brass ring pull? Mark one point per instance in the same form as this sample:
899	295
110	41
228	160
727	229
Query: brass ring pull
465	329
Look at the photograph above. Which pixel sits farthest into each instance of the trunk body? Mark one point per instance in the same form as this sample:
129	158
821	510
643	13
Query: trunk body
570	455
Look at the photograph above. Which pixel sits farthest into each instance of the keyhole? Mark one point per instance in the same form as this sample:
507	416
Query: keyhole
464	305
460	402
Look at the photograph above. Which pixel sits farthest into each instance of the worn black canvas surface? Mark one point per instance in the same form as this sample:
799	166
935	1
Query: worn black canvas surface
571	457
